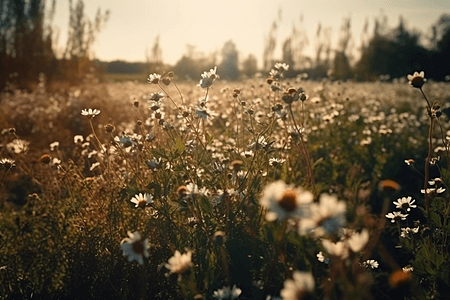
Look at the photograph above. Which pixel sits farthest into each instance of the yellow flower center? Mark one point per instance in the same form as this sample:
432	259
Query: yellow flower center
138	247
417	81
142	203
399	278
288	201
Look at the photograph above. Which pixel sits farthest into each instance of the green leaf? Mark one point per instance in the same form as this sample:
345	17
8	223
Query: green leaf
179	145
445	176
435	218
284	172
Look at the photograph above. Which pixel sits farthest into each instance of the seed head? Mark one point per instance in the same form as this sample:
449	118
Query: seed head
109	128
45	159
417	79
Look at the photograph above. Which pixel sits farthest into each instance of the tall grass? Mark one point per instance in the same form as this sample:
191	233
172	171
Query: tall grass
257	189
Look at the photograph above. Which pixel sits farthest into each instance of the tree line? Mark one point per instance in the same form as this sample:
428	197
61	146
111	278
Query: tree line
27	49
27	42
384	53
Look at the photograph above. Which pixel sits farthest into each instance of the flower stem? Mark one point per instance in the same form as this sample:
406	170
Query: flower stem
427	166
307	158
426	99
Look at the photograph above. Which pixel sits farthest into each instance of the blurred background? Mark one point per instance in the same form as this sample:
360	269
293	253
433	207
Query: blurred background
122	40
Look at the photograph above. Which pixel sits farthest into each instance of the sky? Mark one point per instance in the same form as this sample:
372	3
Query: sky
134	24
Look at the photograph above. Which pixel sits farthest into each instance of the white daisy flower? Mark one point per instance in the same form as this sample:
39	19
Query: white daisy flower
142	200
134	248
326	217
357	241
396	215
284	201
179	263
208	78
338	249
301	284
405	203
154	78
90	113
227	293
370	263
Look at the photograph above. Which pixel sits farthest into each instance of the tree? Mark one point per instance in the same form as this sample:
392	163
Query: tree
250	65
25	40
228	68
154	57
193	63
341	65
392	51
82	34
269	47
322	52
440	46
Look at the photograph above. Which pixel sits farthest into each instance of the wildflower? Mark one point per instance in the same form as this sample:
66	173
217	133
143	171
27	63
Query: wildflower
259	144
406	231
89	113
220	237
399	278
357	241
405	203
322	258
409	161
227	293
154	163
54	146
156	96
56	162
208	78
373	264
283	201
388	186
433	190
78	139
202	112
299	286
167	79
154	78
7	131
135	248
326	217
247	154
7	163
94	165
434	160
125	140
17	146
236	165
338	249
276	162
396	215
142	200
288	96
179	263
109	128
45	159
417	79
407	269
281	67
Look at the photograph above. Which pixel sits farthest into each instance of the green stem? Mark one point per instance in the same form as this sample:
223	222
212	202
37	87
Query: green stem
427	166
306	157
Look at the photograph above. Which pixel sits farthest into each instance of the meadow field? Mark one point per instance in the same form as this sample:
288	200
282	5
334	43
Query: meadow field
262	188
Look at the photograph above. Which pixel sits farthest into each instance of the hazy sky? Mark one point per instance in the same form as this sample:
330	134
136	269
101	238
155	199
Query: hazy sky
208	24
